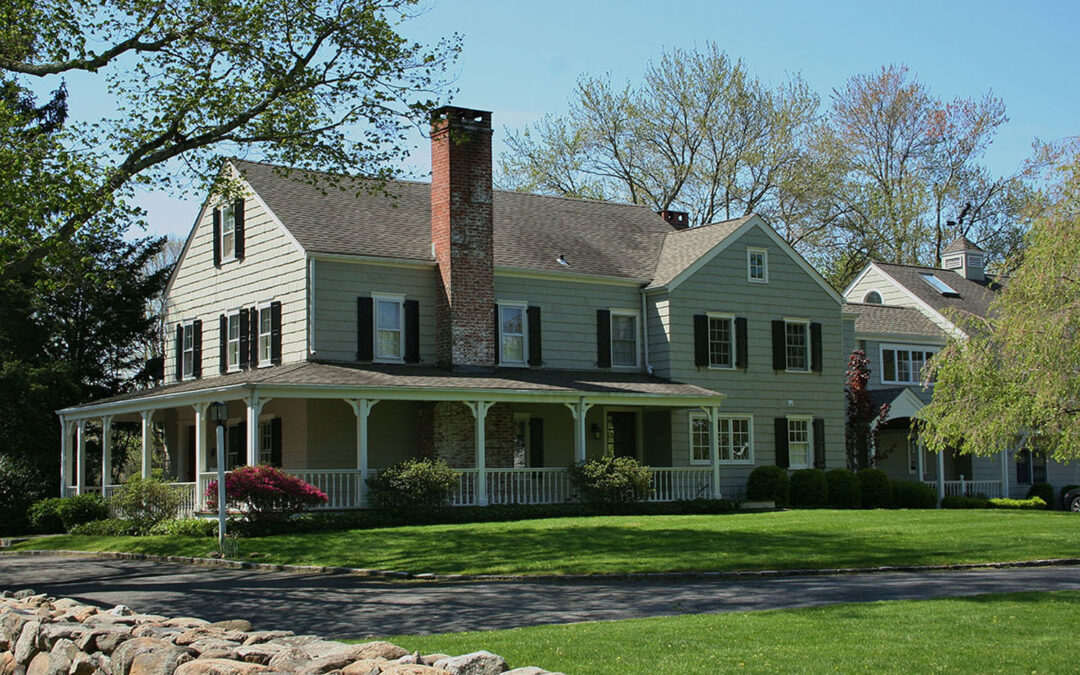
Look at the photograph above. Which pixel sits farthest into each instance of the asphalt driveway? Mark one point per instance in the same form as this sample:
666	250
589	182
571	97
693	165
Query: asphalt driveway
348	606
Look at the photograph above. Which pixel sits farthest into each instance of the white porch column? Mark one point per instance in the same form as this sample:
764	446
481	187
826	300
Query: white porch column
1005	472
479	410
80	457
940	477
106	452
714	448
65	458
200	451
579	410
147	429
362	408
254	407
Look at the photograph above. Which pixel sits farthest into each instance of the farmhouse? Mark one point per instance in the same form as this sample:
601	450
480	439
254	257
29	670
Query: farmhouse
350	327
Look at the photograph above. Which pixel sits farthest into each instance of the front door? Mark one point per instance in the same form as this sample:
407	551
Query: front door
622	434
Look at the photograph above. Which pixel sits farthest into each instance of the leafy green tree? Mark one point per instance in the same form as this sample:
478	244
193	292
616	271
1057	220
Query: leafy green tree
1018	370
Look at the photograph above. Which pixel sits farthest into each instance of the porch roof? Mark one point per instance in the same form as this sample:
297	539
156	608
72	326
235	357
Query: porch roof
344	380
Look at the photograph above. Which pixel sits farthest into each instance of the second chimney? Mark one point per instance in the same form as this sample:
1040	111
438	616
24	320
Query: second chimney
462	238
680	220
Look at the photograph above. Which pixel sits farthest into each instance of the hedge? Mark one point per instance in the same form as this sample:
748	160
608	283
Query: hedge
769	483
911	494
844	492
876	489
809	488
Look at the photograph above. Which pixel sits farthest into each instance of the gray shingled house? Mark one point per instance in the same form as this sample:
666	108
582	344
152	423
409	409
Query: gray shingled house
510	334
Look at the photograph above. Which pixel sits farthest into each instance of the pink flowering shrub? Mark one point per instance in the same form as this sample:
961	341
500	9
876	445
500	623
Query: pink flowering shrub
265	493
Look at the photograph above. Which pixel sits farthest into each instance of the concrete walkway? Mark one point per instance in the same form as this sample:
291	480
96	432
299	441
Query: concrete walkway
346	606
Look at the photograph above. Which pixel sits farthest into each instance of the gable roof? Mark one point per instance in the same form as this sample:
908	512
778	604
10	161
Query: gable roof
682	248
971	297
877	319
531	231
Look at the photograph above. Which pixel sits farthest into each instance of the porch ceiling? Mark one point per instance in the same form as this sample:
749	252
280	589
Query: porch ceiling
345	380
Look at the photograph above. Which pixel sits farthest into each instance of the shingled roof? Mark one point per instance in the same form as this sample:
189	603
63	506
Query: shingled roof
971	297
962	243
683	247
877	319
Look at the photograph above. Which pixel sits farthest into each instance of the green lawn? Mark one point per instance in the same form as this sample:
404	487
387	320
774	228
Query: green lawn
1011	633
780	540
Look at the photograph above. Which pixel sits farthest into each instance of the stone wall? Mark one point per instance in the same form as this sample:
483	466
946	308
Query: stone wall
40	635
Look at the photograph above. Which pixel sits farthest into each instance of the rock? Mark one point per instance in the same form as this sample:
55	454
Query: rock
39	665
123	659
26	647
220	653
159	662
103	640
219	667
149	618
260	636
7	662
365	667
24	594
65	603
151	630
50	633
289	660
260	653
121	610
476	663
11	624
326	664
205	632
379	649
412	659
208	643
413	669
84	664
62	656
528	670
242	625
186	622
432	659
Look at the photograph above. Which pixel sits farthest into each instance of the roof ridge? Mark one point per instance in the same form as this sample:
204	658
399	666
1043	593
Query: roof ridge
881	304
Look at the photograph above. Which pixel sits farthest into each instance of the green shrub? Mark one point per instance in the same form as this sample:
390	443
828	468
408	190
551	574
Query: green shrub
43	516
874	488
22	484
769	483
844	490
809	489
961	502
113	527
1027	504
911	494
415	484
1044	491
80	509
1064	491
146	501
185	527
611	480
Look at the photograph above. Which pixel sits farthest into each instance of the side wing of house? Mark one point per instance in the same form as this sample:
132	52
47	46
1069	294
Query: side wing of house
890	292
237	261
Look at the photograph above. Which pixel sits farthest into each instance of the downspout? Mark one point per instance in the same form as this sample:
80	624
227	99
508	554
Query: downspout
645	336
311	307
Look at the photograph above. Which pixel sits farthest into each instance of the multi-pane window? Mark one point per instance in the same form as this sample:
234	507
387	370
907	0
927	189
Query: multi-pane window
265	337
624	339
1030	467
388	329
904	365
188	354
233	345
913	455
757	264
799	442
721	342
735	440
228	233
797	345
512	334
266	442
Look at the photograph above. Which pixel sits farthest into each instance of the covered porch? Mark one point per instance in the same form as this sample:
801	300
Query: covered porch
510	435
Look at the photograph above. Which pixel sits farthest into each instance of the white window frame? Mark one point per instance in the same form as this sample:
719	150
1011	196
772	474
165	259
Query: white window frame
750	251
637	337
228	215
524	307
938	285
866	295
805	323
806	460
187	371
399	299
730	319
232	366
730	433
265	360
895	347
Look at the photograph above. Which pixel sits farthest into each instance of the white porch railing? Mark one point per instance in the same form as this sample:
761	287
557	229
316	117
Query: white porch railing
675	484
342	487
465	493
528	486
969	488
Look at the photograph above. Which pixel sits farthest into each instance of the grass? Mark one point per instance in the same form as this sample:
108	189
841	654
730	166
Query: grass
780	540
1009	633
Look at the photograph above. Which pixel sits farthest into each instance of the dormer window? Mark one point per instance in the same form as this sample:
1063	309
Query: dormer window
873	298
938	285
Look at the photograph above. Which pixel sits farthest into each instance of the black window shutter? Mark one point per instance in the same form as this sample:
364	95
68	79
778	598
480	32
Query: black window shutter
223	338
196	368
217	237
253	337
238	228
241	444
498	334
740	342
536	442
779	346
701	340
245	339
412	331
536	345
603	338
365	345
179	352
275	332
815	347
275	441
781	431
234	445
819	443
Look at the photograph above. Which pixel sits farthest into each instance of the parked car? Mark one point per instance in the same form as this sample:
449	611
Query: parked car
1071	500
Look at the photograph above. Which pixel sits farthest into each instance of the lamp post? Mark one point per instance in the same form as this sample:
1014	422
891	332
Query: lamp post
219	414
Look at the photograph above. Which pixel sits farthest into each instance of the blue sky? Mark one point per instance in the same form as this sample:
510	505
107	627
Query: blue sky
522	59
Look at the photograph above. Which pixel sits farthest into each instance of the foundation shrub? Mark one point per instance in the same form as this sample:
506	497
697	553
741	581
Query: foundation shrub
611	480
265	492
769	483
112	527
843	489
1044	491
875	489
79	509
911	494
809	489
43	517
1033	503
961	502
412	485
185	527
146	501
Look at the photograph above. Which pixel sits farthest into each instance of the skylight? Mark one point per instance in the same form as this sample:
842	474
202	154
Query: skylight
938	285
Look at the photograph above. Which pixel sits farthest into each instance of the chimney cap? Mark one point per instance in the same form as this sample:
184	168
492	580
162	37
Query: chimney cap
680	220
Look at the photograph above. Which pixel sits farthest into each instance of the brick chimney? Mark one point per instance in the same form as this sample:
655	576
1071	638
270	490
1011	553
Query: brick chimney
680	220
461	235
